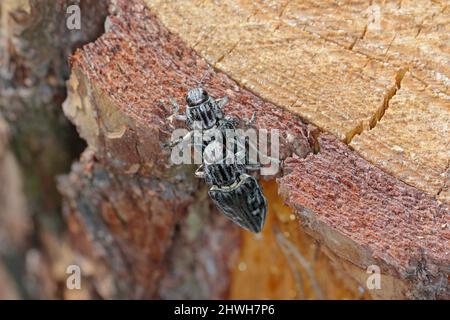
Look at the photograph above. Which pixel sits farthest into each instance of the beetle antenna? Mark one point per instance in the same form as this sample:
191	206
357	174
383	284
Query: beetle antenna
200	82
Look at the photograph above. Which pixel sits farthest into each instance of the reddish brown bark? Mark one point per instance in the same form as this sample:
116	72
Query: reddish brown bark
170	242
368	217
151	228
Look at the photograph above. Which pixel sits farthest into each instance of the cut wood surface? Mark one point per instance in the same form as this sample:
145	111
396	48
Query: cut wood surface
347	202
338	65
125	125
285	262
138	213
412	141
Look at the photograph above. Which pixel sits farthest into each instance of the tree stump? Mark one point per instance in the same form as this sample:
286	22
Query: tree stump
359	93
41	143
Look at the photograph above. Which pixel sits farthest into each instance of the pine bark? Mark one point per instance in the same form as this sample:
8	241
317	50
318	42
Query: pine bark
362	120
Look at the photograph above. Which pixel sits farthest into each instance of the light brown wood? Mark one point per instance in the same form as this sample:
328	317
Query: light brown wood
284	262
359	214
337	65
412	140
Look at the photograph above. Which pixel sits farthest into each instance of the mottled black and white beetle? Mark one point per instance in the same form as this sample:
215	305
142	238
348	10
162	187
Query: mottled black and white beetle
235	193
200	109
203	113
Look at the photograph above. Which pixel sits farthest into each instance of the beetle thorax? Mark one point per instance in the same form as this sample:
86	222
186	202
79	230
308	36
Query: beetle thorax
219	165
201	111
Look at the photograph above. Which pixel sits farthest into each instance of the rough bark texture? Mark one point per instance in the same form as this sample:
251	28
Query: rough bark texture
140	230
284	262
373	74
34	49
36	46
340	66
367	217
379	69
118	197
14	219
125	126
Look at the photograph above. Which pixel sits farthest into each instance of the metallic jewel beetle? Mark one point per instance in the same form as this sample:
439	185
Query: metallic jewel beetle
235	193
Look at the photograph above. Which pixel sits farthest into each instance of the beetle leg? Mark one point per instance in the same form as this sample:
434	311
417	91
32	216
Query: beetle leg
255	166
180	117
252	120
234	120
175	105
199	173
176	109
184	139
249	166
222	102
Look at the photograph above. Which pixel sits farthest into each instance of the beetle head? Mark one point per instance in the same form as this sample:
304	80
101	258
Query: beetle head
196	96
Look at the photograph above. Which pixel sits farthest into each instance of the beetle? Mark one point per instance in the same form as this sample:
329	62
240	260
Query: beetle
235	193
204	113
201	109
